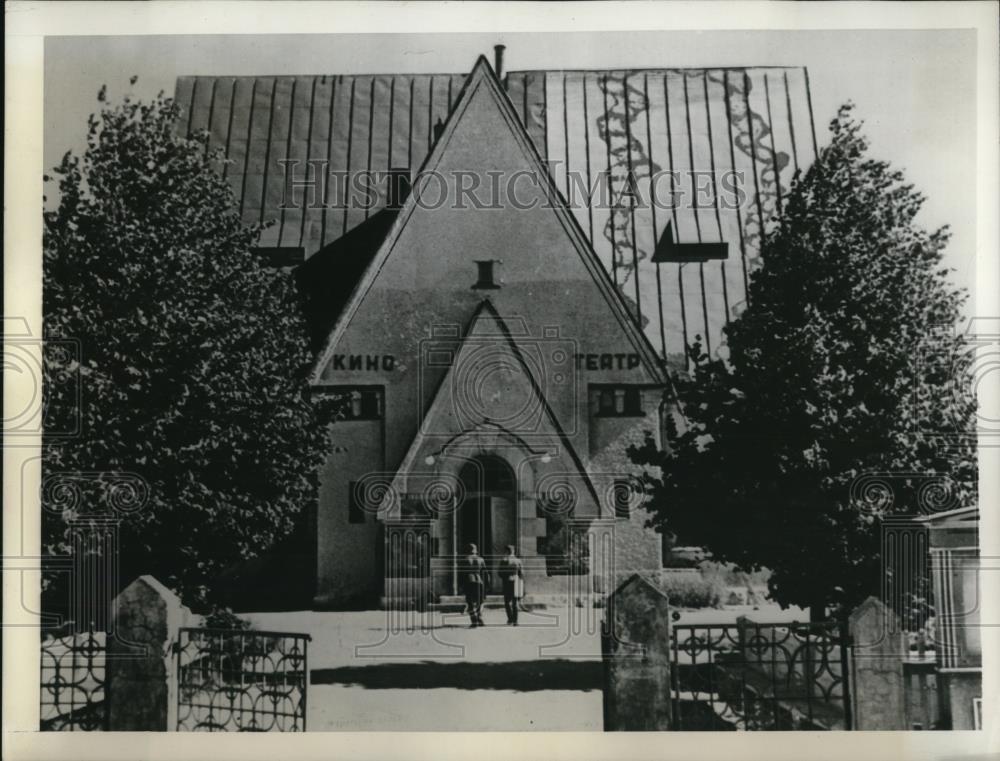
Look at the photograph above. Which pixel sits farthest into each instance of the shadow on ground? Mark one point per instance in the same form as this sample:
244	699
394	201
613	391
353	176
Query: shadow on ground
522	676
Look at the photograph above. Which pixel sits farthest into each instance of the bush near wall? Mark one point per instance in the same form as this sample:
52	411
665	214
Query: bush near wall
688	589
728	575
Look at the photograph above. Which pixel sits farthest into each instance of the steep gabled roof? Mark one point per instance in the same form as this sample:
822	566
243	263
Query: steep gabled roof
327	279
754	122
482	76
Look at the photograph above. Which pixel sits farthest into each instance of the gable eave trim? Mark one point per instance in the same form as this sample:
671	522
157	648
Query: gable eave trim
422	435
482	72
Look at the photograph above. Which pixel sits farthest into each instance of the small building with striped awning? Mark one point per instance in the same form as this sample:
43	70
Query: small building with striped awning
500	273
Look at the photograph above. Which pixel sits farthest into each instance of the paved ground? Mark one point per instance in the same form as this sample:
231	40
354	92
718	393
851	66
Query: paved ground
375	670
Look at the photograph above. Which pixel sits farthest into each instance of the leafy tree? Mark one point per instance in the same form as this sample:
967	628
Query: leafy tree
839	367
193	354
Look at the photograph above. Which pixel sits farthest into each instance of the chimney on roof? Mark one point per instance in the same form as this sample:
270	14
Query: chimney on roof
498	60
399	187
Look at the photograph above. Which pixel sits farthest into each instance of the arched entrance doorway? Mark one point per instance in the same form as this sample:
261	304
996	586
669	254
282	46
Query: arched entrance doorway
488	514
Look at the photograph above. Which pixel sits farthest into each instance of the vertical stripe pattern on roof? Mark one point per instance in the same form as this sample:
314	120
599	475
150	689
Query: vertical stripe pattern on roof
724	144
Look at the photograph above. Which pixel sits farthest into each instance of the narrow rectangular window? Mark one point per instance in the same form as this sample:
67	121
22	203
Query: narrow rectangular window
363	404
607	402
370	407
633	401
619	401
486	270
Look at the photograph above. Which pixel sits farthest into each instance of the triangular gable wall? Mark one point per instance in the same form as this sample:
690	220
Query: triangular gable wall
483	80
506	414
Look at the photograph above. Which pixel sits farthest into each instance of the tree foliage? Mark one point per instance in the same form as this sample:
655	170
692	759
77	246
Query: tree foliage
193	354
845	362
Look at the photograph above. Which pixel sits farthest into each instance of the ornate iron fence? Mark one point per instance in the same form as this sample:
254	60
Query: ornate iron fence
72	680
751	676
241	681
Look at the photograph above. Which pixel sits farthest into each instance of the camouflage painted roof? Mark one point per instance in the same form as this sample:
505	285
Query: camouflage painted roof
664	126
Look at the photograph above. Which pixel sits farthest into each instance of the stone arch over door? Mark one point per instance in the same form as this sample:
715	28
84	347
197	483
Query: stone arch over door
512	507
432	471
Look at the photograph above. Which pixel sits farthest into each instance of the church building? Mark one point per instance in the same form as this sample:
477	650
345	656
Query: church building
502	271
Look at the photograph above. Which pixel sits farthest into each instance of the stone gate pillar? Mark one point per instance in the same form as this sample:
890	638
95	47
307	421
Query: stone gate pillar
878	689
636	651
141	673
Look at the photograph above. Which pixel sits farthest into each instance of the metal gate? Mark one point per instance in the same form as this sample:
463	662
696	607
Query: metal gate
241	681
72	680
751	676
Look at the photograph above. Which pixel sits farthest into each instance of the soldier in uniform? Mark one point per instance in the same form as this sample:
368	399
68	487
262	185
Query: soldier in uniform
513	583
475	577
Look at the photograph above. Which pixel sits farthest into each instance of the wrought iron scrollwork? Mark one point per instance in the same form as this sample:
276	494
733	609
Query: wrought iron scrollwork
751	676
241	681
72	680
